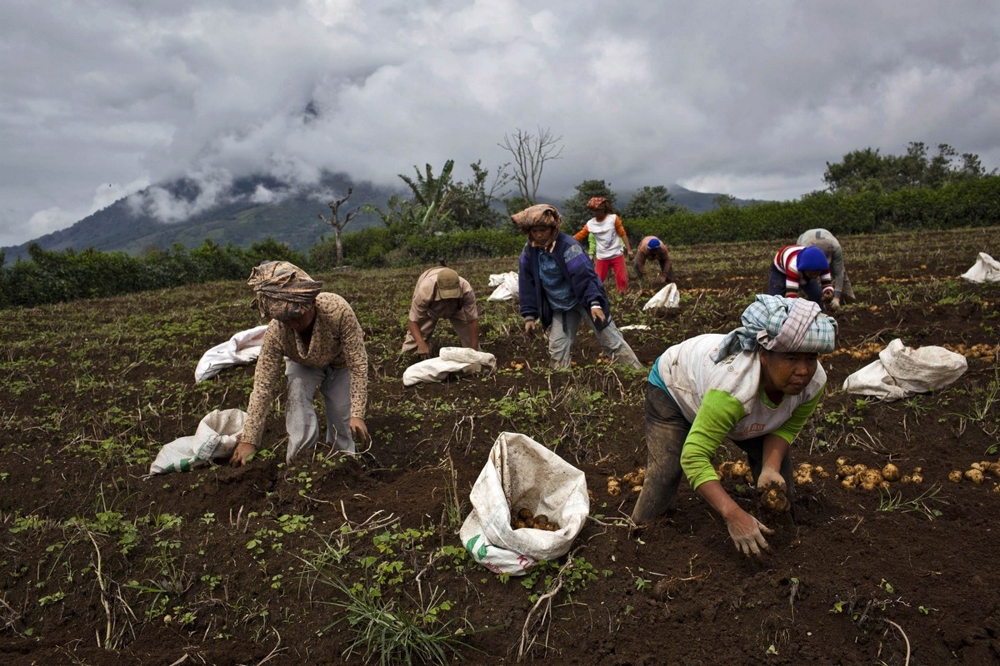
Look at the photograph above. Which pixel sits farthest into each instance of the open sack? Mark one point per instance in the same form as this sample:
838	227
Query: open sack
506	286
521	473
450	360
986	269
241	349
665	299
214	438
902	371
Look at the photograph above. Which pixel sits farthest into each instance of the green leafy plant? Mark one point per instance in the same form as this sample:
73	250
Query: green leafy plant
922	503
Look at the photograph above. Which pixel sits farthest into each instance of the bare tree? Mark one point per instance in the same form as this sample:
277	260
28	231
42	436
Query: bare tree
338	226
531	152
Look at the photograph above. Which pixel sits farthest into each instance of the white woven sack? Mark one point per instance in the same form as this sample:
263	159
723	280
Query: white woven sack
215	437
902	371
986	269
522	473
241	349
506	286
665	298
450	360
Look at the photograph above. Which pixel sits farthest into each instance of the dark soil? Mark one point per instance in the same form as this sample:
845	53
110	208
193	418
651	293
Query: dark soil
846	582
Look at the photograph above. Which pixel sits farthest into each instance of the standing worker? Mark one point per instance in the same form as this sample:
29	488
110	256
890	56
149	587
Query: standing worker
652	247
757	385
801	271
558	287
828	243
441	294
315	340
610	236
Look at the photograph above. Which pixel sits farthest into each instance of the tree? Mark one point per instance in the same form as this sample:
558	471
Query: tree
530	153
575	210
338	225
432	194
471	204
650	202
867	171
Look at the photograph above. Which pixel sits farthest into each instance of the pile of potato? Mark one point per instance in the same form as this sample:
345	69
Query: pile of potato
977	473
870	478
633	480
524	518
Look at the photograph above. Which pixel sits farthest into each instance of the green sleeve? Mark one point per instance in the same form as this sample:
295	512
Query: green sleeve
718	415
789	430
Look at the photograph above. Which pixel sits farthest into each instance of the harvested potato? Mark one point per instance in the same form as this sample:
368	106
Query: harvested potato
822	473
890	472
525	514
741	469
974	475
614	487
849	481
955	476
774	498
916	478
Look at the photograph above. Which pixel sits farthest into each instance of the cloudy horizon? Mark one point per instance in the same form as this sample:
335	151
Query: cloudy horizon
103	98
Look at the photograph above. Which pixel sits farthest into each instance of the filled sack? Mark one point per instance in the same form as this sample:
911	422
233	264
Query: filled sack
215	438
523	474
665	299
902	371
450	361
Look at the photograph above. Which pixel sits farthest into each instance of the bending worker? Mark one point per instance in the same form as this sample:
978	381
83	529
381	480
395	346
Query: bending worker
828	243
558	288
441	294
652	247
757	385
320	335
801	271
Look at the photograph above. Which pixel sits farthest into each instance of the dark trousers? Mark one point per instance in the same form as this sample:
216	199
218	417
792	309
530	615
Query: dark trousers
666	429
811	290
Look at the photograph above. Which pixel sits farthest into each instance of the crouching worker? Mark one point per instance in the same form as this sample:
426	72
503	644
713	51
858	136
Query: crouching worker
652	248
799	271
441	294
834	253
324	345
558	288
756	385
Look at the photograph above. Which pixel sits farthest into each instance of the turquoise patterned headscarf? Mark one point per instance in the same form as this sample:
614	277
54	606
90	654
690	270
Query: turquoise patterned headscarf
781	324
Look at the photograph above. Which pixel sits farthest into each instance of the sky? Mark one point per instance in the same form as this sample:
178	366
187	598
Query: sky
100	99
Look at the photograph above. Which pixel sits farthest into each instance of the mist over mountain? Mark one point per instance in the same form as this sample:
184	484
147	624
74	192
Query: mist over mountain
243	212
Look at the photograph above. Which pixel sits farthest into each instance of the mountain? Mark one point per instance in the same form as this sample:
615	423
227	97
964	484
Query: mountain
701	202
241	216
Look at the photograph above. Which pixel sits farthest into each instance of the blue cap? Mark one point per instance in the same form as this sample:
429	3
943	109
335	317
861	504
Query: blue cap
653	243
812	259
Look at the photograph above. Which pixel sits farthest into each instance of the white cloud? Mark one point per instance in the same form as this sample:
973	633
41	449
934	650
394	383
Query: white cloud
750	99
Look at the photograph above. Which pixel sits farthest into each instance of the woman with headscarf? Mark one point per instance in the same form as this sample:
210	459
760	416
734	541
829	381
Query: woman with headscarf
322	340
611	241
558	287
757	385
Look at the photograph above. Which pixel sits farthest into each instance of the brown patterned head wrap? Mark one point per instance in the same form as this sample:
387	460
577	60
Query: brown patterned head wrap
598	203
283	290
539	215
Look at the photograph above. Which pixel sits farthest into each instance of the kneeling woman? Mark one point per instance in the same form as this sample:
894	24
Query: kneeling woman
756	385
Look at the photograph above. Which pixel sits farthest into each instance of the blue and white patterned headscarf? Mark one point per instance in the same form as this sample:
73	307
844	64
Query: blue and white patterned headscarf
781	324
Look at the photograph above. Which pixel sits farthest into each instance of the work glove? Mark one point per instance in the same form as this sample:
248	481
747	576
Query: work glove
598	314
529	326
748	534
834	305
